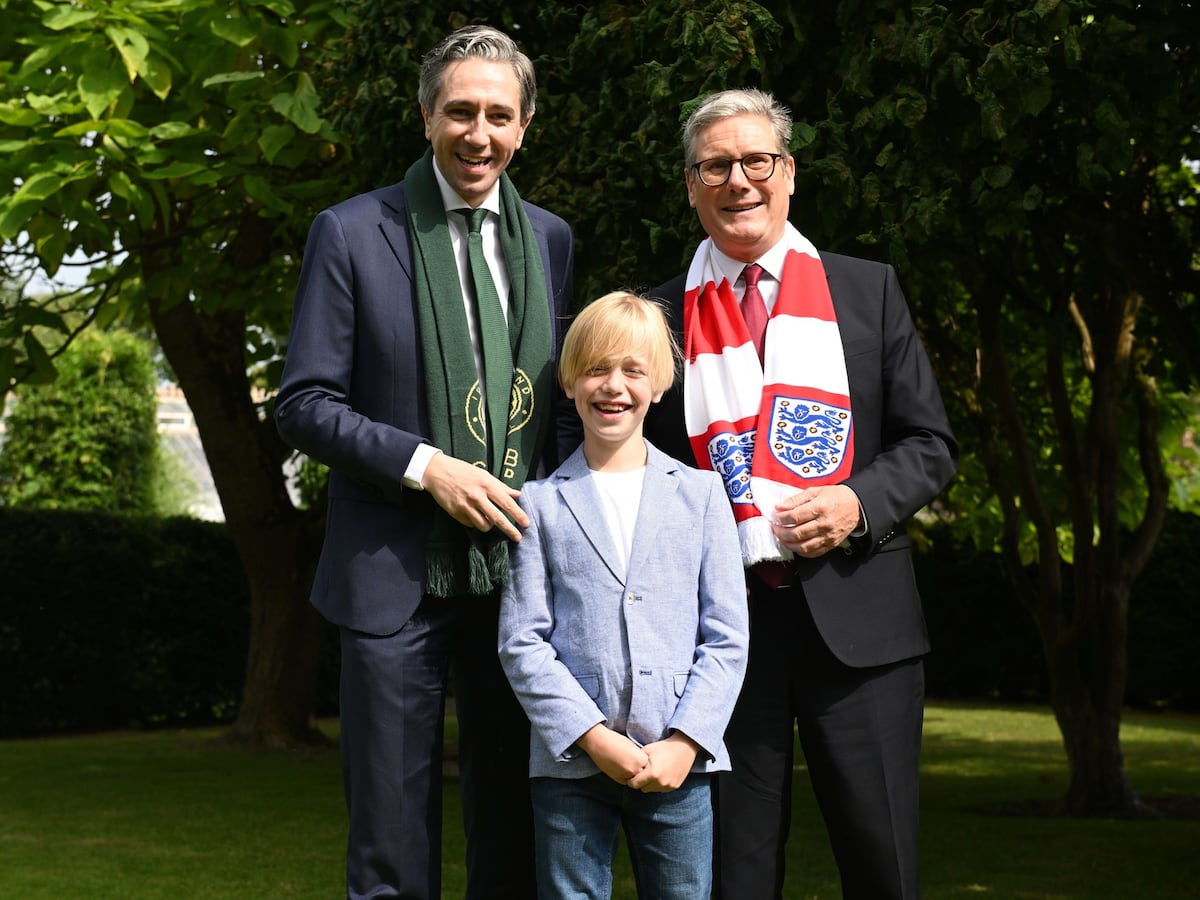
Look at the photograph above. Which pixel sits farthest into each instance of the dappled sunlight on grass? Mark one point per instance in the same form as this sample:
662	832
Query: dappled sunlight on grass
170	814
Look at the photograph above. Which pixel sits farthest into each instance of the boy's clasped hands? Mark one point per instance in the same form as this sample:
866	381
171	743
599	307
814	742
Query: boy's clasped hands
655	768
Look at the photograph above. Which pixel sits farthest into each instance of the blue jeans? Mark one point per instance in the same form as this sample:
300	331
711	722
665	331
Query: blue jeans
576	822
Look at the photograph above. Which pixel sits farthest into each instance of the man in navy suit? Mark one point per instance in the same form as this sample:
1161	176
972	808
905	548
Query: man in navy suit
807	387
419	370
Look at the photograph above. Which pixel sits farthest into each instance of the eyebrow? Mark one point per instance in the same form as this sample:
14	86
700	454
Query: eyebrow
461	102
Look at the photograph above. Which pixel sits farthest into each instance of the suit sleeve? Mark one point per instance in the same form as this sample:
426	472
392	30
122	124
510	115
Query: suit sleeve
914	452
559	710
313	411
568	430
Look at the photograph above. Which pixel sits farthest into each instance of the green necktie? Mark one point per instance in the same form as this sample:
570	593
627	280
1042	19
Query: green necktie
493	336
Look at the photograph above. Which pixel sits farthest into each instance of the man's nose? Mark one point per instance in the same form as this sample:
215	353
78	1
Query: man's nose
476	129
737	178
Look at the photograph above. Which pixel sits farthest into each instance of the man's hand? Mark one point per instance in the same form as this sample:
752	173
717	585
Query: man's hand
616	755
473	496
814	521
670	762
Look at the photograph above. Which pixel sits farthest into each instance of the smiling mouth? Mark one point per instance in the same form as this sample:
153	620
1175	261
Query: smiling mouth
612	407
742	209
474	162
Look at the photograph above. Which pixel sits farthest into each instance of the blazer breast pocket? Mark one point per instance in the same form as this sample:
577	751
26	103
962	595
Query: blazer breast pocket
861	346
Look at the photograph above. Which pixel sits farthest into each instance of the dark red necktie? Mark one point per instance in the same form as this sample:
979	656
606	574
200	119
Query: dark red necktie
754	308
754	311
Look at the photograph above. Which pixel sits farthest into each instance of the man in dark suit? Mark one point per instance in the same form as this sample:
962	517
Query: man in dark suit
807	387
419	370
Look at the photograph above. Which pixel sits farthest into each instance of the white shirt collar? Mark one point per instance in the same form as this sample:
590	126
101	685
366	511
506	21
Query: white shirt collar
771	261
451	200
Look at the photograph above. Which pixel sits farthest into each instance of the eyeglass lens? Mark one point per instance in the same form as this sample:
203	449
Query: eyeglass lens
757	166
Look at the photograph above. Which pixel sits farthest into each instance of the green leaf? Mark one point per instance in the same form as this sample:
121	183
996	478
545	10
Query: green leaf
231	77
15	215
127	129
175	170
99	88
142	202
998	176
43	54
132	46
300	107
274	138
284	43
51	249
39	186
43	105
260	189
157	75
169	131
235	30
281	8
803	135
60	17
16	113
39	360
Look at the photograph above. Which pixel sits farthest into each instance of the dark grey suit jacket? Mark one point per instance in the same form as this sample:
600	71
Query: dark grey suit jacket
865	603
353	397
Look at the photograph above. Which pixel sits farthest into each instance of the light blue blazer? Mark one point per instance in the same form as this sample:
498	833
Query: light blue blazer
658	649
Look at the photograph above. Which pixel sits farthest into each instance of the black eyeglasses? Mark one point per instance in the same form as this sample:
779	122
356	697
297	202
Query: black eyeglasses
757	167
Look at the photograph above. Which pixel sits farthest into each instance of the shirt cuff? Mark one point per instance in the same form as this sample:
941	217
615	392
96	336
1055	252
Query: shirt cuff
416	466
863	527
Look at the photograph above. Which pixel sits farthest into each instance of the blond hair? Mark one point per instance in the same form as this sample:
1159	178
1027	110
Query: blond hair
614	326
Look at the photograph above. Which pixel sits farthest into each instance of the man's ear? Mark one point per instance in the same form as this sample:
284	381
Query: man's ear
521	133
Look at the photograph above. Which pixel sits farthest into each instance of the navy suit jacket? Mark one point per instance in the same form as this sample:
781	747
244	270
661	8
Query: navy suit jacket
352	396
864	602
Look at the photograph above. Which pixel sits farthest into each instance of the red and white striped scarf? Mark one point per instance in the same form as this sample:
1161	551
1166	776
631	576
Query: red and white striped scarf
797	401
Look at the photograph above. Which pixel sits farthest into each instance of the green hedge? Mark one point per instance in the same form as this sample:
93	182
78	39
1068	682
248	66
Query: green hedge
116	621
986	645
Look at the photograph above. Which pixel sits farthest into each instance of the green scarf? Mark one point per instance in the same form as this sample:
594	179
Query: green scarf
462	560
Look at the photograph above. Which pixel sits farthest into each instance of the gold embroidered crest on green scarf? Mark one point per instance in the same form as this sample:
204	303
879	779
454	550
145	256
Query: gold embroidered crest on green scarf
462	560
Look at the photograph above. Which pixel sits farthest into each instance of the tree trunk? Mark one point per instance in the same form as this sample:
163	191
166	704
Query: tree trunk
1081	613
276	543
1087	669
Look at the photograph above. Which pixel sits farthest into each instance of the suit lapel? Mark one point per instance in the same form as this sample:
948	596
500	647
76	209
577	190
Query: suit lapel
579	493
659	488
395	227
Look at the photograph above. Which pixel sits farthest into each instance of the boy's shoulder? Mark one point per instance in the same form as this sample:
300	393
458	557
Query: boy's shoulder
575	466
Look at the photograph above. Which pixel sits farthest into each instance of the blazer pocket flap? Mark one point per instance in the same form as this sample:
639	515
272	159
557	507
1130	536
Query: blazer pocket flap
681	680
590	684
859	346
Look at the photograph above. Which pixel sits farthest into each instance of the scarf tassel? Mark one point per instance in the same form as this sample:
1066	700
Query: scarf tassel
480	570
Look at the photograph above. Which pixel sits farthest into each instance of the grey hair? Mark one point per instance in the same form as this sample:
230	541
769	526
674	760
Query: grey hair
743	102
483	42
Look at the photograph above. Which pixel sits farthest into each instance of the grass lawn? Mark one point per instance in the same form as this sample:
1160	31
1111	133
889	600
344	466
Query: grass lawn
172	814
